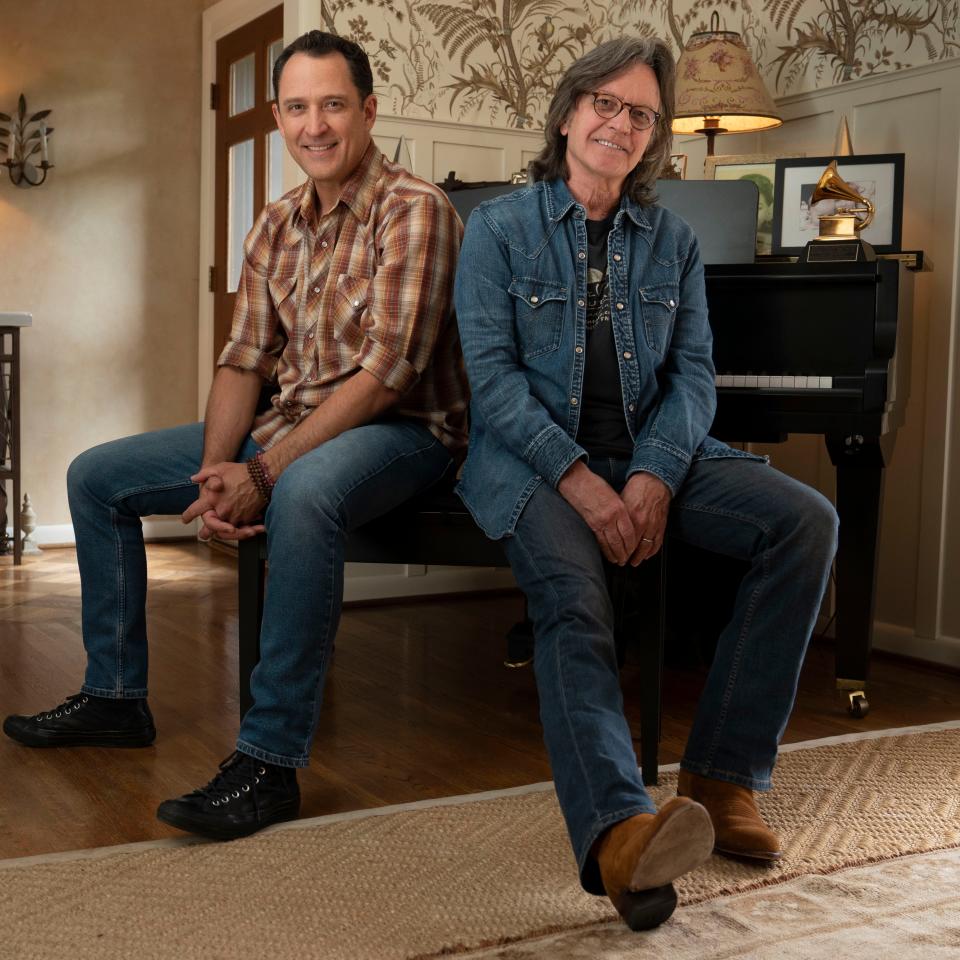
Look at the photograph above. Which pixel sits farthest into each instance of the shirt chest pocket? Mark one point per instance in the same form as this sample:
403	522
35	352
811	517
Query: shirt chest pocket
285	304
538	307
658	305
348	306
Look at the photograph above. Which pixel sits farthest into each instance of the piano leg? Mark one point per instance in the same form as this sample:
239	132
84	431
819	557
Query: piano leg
859	462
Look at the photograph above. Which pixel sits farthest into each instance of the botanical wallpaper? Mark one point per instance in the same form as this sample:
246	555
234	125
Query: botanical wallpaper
496	62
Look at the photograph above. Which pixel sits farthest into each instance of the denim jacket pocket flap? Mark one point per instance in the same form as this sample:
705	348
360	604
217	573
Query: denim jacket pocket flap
539	309
348	305
663	295
536	293
658	304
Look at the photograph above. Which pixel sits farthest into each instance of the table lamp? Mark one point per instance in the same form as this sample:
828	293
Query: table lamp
719	89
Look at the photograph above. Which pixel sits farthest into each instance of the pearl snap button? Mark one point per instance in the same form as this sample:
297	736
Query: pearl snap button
581	256
673	303
356	303
323	243
619	306
316	289
573	401
627	354
578	349
617	257
632	407
534	299
581	303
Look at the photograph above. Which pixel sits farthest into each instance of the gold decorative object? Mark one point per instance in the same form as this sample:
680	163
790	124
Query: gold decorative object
719	89
839	237
844	145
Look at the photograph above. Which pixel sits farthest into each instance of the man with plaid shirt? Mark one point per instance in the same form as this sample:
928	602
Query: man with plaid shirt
344	306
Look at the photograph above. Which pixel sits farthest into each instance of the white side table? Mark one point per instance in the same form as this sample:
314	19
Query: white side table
10	325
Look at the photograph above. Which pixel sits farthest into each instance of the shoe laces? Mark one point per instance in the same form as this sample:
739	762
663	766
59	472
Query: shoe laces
238	776
70	705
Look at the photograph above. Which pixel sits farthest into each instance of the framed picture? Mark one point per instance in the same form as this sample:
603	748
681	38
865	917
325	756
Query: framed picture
677	170
761	169
878	177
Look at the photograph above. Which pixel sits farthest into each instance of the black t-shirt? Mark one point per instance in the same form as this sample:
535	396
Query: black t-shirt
603	428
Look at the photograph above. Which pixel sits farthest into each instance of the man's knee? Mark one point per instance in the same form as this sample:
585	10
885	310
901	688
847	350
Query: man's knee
87	471
812	523
301	496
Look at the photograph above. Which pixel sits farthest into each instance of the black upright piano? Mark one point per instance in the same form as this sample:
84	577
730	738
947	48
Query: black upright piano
821	349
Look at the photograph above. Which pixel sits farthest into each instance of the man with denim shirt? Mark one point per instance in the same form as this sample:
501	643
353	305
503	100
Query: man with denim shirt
583	319
344	307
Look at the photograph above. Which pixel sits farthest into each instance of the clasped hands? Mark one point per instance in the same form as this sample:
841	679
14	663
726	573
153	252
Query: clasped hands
228	504
629	526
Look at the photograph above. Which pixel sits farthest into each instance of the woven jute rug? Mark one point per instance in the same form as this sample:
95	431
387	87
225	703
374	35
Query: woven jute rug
453	877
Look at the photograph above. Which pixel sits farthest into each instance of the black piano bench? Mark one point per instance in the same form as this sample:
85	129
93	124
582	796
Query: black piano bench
434	529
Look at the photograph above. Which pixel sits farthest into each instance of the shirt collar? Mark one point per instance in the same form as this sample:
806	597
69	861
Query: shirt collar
560	202
357	194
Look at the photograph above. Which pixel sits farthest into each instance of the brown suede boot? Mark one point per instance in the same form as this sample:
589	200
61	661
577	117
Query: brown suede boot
640	856
740	830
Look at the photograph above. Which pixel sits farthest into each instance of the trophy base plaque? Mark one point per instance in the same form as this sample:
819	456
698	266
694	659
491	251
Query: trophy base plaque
838	251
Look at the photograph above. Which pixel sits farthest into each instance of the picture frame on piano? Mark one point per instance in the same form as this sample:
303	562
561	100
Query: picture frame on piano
761	169
677	168
879	177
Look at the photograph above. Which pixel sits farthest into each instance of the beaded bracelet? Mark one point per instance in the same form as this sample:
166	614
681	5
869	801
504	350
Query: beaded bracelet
260	476
258	456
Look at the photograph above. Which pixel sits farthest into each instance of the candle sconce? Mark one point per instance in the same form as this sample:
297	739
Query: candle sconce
24	138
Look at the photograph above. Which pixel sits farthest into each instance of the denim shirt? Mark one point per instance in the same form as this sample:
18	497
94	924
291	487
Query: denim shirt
521	295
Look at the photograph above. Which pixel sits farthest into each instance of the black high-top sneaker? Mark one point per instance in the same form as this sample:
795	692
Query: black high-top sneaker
244	797
84	720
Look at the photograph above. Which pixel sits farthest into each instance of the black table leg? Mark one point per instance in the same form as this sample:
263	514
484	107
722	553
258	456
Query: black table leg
859	462
250	582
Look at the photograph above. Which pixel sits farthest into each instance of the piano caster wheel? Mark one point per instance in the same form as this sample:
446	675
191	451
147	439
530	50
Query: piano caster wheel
519	645
859	707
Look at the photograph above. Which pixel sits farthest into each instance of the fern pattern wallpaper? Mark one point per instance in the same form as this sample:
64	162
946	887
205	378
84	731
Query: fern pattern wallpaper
496	62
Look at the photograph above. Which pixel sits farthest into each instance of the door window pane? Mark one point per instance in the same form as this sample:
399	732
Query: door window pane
239	208
242	84
273	51
274	183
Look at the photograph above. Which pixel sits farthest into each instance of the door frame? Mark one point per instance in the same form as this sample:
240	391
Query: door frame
218	21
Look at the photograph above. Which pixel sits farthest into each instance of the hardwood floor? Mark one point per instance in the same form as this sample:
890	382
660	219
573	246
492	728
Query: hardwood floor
418	703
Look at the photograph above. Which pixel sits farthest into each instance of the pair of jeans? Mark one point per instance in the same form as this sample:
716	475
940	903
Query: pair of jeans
742	509
343	483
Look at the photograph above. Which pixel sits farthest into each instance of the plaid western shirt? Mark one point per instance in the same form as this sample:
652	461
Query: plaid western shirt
369	286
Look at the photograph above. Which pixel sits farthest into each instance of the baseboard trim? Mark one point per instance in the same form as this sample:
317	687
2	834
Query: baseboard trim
61	534
892	638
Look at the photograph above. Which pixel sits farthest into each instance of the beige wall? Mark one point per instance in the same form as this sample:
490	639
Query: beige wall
104	254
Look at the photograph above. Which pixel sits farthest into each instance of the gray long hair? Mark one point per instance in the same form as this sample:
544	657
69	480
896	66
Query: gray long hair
589	73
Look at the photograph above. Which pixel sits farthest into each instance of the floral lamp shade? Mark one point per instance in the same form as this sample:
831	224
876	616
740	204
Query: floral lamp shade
719	89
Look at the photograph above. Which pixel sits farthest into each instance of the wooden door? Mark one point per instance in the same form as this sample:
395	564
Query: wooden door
249	152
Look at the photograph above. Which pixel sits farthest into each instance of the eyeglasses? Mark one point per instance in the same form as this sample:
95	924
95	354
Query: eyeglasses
608	106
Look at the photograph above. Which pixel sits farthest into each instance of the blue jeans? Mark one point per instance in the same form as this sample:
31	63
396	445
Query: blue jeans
343	483
739	508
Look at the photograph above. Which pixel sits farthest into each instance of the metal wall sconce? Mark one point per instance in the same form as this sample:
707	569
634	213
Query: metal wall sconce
24	137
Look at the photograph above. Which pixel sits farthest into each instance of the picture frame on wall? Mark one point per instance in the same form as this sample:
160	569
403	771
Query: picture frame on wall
761	169
878	177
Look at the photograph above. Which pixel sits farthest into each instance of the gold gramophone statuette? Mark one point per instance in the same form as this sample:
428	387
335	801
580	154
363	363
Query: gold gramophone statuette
839	237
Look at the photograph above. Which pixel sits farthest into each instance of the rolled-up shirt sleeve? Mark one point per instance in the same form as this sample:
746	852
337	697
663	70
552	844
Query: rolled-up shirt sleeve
410	298
256	338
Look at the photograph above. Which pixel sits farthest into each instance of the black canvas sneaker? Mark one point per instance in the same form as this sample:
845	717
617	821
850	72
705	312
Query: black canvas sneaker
244	797
84	720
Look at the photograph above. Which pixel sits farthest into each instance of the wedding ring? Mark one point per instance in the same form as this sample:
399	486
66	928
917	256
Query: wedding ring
647	540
